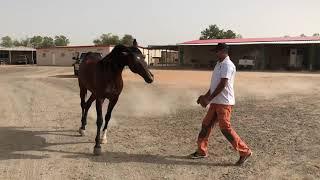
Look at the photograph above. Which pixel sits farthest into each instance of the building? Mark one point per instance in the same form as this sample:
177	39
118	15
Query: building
15	55
300	53
162	55
63	55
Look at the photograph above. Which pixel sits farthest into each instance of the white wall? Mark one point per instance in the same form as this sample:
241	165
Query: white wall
63	56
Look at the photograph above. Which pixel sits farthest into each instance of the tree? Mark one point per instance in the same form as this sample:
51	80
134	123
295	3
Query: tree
16	43
127	40
239	36
6	41
303	35
97	42
214	32
26	42
230	34
61	40
36	41
107	39
47	42
316	35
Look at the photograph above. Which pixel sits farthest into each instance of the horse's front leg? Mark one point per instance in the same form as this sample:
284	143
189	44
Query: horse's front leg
112	103
97	147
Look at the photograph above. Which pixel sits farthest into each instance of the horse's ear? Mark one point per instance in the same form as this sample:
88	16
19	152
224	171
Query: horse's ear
135	44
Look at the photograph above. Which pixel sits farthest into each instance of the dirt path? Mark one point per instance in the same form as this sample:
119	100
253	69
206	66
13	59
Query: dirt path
277	114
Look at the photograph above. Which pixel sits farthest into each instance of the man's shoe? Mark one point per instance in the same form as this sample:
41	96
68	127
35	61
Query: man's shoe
243	159
197	155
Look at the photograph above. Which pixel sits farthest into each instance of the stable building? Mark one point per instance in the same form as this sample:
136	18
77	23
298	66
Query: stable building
63	55
298	53
17	55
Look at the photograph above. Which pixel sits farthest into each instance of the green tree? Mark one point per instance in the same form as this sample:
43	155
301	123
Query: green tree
316	35
229	34
239	36
6	41
107	39
303	35
61	40
214	32
127	40
97	42
17	43
36	41
26	42
47	42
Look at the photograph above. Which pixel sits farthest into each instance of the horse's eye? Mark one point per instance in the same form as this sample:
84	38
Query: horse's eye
138	58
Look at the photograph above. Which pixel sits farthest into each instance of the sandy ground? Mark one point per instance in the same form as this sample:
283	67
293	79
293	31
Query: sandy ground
154	126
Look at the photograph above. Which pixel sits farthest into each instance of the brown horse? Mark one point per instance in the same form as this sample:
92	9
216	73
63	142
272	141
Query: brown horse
103	77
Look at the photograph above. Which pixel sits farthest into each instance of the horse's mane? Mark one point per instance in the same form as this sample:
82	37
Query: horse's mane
116	51
112	59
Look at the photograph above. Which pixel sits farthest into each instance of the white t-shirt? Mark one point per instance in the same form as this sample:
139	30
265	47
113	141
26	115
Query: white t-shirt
224	69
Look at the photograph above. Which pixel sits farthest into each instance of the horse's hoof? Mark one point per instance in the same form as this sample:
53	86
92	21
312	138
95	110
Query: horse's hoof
97	151
103	141
82	132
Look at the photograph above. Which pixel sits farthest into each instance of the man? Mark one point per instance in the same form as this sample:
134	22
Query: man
221	98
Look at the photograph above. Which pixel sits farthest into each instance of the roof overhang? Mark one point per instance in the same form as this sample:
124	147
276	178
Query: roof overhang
252	43
163	47
17	49
249	41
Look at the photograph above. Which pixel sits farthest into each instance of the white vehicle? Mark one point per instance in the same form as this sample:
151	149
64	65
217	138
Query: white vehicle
22	59
79	59
247	62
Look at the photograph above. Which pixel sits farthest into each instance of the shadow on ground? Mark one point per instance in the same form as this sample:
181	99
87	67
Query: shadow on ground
15	141
65	76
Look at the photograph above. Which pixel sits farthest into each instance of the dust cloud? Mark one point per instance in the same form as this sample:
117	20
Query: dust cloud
162	98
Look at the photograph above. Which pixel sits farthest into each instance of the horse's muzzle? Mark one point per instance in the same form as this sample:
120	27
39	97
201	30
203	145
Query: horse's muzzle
150	78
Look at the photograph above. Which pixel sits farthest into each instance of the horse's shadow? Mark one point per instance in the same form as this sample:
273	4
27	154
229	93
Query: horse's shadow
16	141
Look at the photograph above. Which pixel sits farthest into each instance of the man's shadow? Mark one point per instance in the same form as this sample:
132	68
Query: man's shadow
123	157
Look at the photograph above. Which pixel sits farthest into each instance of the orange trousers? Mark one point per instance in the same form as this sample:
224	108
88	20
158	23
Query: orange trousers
221	114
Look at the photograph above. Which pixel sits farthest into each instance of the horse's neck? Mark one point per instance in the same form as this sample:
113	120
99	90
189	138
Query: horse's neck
112	68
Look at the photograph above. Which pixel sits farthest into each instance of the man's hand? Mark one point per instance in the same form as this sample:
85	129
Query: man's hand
202	100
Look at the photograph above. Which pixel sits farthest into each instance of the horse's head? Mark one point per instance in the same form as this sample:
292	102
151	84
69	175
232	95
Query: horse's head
137	64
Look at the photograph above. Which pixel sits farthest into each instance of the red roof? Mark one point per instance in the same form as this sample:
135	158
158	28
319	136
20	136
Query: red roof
252	40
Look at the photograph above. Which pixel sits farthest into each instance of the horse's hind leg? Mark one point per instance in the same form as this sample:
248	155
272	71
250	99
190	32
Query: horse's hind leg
112	103
85	108
83	93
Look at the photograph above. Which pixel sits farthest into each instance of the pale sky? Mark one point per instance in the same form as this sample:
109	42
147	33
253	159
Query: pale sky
156	22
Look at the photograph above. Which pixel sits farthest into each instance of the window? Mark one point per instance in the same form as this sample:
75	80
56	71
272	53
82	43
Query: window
43	54
63	54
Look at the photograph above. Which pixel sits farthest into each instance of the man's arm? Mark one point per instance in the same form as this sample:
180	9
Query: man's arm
201	99
207	94
222	84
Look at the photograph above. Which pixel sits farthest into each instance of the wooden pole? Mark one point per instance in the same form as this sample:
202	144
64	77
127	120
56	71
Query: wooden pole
9	57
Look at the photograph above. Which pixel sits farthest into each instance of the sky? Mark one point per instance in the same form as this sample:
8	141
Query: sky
156	22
